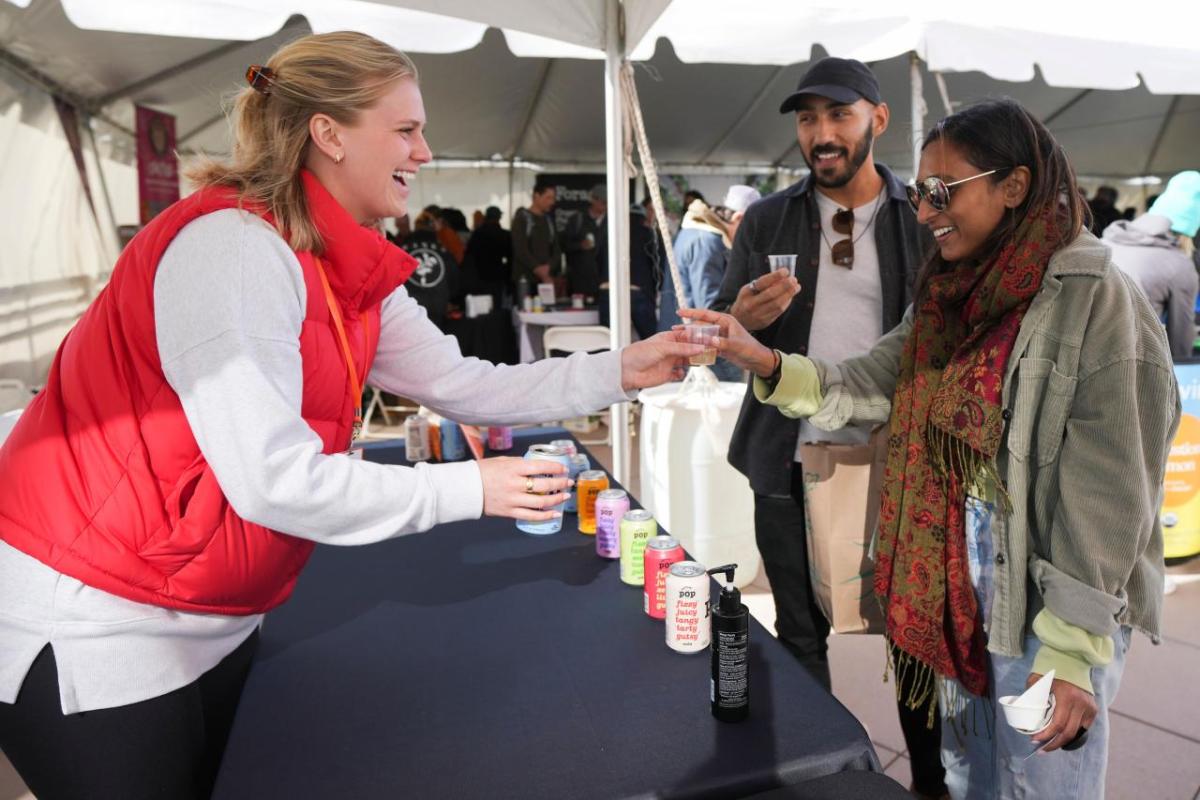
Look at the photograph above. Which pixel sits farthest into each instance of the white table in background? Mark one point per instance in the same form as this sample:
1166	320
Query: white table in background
531	326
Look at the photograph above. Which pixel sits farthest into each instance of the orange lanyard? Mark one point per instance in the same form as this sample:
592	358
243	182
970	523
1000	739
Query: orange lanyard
335	311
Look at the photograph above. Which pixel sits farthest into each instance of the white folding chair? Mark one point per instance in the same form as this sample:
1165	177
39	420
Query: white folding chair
14	394
376	402
577	339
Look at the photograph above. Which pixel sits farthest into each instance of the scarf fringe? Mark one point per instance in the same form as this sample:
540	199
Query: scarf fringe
922	681
955	702
953	457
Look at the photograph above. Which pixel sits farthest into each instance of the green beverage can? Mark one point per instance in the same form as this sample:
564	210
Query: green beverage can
637	527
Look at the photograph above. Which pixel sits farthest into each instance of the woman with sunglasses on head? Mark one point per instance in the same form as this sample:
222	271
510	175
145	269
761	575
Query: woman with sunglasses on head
190	446
1031	403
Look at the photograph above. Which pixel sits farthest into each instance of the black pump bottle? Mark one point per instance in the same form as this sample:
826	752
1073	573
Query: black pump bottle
730	689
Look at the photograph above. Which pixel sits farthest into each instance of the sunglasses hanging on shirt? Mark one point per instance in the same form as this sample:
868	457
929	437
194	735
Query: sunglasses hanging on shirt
842	251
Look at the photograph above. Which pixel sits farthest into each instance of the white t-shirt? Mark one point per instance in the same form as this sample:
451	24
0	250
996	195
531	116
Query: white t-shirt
234	360
848	310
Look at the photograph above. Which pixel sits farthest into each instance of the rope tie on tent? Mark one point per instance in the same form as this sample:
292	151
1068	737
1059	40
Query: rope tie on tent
700	381
629	90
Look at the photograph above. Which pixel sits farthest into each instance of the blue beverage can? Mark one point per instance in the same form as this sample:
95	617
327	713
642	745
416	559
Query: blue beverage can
545	452
579	463
454	446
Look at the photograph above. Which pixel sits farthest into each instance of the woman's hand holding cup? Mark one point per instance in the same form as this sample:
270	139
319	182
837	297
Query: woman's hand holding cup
734	342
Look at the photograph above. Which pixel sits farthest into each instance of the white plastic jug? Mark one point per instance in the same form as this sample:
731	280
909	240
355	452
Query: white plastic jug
686	479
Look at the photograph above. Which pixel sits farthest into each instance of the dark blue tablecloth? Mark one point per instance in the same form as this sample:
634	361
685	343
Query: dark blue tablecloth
474	661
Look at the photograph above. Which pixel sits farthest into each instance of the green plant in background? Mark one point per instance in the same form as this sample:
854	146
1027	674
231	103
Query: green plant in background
765	184
673	188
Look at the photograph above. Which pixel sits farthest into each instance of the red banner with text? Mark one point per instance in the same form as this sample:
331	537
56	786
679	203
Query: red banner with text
158	166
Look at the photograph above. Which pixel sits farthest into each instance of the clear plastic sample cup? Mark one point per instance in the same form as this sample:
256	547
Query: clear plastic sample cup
787	262
699	333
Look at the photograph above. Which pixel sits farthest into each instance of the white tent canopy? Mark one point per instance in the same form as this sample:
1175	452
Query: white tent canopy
487	98
1118	90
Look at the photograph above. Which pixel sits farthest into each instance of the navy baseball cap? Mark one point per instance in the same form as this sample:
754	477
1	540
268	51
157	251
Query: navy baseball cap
841	79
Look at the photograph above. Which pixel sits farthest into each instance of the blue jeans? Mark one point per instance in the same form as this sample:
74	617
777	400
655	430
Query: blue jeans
983	755
983	763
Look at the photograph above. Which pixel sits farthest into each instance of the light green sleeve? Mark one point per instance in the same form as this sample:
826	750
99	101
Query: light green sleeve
1069	650
798	392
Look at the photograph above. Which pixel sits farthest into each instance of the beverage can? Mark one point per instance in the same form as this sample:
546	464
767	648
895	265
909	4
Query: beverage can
611	506
687	622
637	527
579	465
568	445
590	484
662	551
545	452
416	439
454	446
500	438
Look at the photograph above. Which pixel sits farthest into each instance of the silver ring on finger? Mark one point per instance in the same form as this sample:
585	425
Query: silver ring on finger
754	286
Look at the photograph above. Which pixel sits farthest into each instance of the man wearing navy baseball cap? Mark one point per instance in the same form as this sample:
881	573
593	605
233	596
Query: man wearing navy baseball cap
857	249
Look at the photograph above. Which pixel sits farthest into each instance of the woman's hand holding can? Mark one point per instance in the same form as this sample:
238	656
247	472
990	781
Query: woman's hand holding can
520	489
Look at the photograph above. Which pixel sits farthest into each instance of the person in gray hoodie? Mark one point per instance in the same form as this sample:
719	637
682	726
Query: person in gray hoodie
1151	249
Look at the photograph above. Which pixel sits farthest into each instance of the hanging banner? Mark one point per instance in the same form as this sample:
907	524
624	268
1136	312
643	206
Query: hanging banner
1181	498
572	194
158	166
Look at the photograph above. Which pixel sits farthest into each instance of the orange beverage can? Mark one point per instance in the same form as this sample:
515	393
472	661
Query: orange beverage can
589	485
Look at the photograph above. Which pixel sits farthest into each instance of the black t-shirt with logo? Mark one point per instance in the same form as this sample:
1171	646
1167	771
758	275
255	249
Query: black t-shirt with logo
434	284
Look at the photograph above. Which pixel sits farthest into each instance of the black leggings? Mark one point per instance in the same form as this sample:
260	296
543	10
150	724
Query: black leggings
167	747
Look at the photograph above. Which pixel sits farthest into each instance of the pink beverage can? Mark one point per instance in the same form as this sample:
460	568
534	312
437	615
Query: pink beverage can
687	607
500	438
661	552
566	444
611	505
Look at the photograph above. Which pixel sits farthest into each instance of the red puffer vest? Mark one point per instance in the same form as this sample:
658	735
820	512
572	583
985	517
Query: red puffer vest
102	479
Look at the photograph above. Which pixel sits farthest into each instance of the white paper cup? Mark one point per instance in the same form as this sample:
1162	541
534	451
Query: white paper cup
1027	719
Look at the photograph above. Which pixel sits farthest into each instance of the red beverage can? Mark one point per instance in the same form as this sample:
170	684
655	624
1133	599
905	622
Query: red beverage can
499	438
661	552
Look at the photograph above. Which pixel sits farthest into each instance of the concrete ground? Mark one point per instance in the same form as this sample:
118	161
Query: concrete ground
1155	747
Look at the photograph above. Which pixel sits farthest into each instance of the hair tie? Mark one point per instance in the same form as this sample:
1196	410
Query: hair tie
260	78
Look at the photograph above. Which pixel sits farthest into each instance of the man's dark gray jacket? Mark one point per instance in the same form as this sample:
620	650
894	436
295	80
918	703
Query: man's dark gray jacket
764	441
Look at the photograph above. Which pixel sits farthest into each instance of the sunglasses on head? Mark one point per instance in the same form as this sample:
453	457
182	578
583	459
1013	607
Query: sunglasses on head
936	192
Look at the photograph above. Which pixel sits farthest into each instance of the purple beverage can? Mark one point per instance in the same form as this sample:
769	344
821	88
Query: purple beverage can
611	506
500	438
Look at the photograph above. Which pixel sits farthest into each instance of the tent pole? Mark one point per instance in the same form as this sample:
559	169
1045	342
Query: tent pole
918	111
618	223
